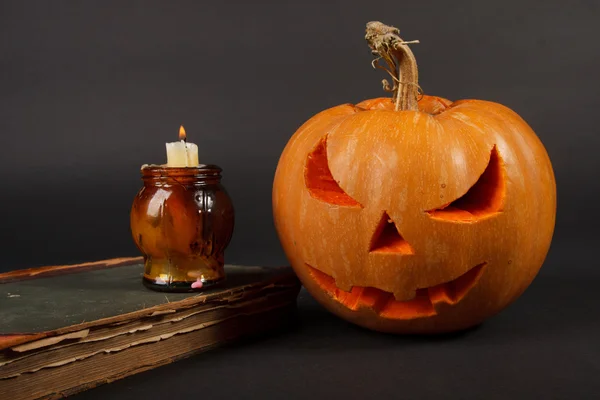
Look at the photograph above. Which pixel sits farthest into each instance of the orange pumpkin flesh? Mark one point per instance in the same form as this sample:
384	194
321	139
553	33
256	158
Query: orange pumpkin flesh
415	221
386	306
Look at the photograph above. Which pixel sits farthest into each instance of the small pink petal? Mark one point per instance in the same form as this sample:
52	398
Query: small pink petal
197	284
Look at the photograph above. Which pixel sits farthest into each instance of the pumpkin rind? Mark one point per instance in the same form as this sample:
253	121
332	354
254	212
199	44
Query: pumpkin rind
407	165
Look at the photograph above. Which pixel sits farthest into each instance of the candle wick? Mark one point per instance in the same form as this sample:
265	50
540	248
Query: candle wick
186	152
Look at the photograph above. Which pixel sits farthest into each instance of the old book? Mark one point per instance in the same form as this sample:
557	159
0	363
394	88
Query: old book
65	329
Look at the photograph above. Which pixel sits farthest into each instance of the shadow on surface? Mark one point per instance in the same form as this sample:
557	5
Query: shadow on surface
547	326
551	307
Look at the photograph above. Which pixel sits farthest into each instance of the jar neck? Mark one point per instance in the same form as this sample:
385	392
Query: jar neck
161	175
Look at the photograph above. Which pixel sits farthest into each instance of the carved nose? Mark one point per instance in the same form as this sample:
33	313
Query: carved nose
387	238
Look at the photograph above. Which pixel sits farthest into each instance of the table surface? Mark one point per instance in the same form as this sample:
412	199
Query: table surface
545	345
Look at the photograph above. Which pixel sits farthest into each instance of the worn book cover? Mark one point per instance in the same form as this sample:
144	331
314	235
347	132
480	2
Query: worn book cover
65	329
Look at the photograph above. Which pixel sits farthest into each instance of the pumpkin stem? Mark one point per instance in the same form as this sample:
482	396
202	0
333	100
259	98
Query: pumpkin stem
400	61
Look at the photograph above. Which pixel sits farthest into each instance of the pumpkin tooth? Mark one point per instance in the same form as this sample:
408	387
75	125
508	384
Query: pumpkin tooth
440	294
454	291
374	299
418	307
350	299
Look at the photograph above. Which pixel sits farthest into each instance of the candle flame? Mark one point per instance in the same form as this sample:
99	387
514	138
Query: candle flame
182	135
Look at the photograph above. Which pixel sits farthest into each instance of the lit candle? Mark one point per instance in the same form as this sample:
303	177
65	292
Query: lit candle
182	153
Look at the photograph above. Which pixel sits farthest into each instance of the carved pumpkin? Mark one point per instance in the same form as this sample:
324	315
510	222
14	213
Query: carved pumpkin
414	216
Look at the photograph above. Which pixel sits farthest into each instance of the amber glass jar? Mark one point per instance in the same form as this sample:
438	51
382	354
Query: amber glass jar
182	221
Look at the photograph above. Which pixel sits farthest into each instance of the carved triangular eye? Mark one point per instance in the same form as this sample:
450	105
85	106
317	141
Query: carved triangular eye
320	182
387	239
484	199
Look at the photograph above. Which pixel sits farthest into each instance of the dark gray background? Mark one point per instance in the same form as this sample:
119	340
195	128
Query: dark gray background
89	91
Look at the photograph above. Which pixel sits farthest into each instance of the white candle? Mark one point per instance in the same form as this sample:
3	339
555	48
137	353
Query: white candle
182	154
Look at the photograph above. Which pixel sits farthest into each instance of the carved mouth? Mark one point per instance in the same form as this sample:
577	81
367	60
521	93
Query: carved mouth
384	304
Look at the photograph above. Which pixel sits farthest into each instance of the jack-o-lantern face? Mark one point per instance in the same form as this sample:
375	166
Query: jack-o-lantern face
415	221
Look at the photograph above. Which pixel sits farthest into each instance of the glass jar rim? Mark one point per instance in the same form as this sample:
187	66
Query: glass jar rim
199	171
